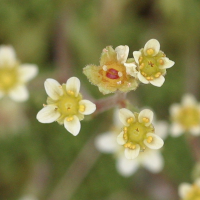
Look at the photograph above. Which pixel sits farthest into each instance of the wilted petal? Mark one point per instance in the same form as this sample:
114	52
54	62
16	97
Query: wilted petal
132	153
131	69
120	138
48	114
19	93
7	56
189	100
146	113
53	88
176	130
167	63
183	189
136	55
89	107
106	142
73	84
195	130
158	81
142	78
126	167
156	143
27	72
122	53
152	44
73	126
124	114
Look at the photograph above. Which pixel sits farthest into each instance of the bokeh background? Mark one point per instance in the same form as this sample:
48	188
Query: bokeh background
63	36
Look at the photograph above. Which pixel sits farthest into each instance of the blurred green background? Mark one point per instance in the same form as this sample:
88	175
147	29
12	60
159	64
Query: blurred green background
63	36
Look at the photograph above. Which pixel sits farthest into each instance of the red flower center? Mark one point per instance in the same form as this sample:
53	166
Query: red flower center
112	73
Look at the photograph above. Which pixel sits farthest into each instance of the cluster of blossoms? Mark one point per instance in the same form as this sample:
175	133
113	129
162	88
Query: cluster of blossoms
118	72
185	116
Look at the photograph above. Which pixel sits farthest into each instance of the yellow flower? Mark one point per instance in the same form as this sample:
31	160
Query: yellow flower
112	75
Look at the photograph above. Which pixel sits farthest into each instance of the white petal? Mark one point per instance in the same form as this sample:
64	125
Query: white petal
124	114
89	107
106	142
53	88
73	84
156	143
131	69
153	161
152	44
174	109
136	55
120	138
132	153
27	72
176	130
116	120
19	93
188	100
167	63
146	113
158	81
122	53
161	129
142	78
7	55
73	126
48	114
126	167
195	130
183	189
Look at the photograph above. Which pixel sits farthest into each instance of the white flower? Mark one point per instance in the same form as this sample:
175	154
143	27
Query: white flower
189	191
185	116
152	160
65	105
152	63
138	132
13	75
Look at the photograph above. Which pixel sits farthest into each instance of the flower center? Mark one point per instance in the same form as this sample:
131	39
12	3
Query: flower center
8	78
194	193
112	73
136	133
188	117
149	65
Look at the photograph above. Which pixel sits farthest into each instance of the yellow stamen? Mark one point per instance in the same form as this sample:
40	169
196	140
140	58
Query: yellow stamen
130	120
158	74
125	129
149	139
81	108
142	66
150	51
69	119
132	146
125	136
44	105
145	119
148	78
140	59
161	61
70	92
144	74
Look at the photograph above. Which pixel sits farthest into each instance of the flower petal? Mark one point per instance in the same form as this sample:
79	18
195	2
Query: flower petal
153	161
146	113
48	114
142	78
120	138
53	88
131	69
19	93
197	182
152	44
122	53
195	130
156	143
132	153
126	167
167	63
7	56
136	55
161	129
176	130
158	81
106	142
189	100
183	189
27	72
89	107
174	109
124	114
73	84
73	126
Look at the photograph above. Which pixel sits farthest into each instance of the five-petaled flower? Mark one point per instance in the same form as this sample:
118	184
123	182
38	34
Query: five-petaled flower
112	74
152	63
138	132
190	191
65	105
185	116
13	75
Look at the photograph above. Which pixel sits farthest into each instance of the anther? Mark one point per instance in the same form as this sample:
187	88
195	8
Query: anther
140	59
148	78
70	92
145	119
69	119
142	66
105	50
125	129
149	139
44	105
144	74
105	68
81	108
120	74
125	136
157	74
161	61
60	86
132	146
129	120
150	51
119	82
